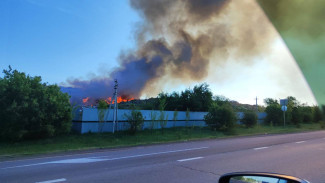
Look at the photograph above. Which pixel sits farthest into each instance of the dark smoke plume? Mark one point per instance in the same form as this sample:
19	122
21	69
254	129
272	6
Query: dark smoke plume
181	39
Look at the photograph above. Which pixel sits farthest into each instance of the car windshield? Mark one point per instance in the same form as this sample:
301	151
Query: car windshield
161	90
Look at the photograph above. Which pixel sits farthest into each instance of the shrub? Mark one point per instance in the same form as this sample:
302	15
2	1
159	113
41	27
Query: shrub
307	114
274	114
308	117
135	120
153	116
163	118
102	113
317	114
32	109
322	124
221	118
297	116
250	119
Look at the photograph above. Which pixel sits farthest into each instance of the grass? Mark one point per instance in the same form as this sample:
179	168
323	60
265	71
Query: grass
122	139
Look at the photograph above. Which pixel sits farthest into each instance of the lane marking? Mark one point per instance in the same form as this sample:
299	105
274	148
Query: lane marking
94	159
259	148
300	142
150	154
189	159
52	181
51	157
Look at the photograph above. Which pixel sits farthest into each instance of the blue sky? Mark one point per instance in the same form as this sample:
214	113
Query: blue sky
61	39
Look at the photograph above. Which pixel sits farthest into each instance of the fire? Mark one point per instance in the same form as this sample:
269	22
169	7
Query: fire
85	100
119	100
91	101
108	100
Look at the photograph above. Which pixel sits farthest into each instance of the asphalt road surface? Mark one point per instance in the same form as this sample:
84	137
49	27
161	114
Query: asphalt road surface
301	155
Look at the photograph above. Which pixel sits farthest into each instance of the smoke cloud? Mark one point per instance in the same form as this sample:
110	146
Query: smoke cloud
181	39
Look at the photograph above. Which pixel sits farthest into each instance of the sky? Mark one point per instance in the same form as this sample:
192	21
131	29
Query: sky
60	40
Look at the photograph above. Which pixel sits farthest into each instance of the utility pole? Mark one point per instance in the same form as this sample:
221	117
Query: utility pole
115	106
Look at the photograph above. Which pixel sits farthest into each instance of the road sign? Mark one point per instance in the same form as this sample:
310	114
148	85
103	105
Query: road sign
283	102
284	108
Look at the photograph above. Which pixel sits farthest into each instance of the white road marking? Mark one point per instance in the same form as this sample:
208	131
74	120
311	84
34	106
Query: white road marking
300	142
59	156
259	148
94	159
189	159
165	152
53	181
78	160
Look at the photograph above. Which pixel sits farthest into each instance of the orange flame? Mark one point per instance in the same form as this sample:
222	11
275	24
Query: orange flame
85	100
109	100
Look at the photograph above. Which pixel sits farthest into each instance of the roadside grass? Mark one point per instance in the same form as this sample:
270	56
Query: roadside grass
123	139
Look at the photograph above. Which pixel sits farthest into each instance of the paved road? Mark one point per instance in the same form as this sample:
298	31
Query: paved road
301	155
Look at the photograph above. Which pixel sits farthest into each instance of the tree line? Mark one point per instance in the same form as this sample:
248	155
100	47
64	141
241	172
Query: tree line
200	98
31	109
296	113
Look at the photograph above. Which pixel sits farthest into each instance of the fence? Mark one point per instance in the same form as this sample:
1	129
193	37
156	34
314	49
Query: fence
86	119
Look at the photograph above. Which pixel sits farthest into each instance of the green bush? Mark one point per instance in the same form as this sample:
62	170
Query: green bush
135	120
308	117
101	113
274	114
221	118
317	114
297	116
163	117
322	124
307	114
31	109
249	119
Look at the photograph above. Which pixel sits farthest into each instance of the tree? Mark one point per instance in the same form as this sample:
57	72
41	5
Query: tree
102	107
292	103
197	99
297	116
32	109
249	119
186	99
274	114
135	120
221	118
162	120
221	100
307	114
270	101
317	114
201	98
